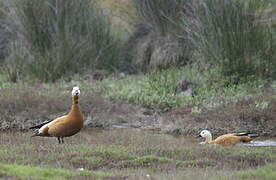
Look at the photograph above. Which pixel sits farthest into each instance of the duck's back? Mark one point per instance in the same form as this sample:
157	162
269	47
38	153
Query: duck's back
66	126
230	139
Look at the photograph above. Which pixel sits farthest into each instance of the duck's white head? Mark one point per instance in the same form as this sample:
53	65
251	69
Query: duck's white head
76	91
205	134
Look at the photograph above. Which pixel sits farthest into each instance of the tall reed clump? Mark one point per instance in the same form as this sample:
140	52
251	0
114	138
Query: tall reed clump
161	15
155	42
228	34
6	30
59	38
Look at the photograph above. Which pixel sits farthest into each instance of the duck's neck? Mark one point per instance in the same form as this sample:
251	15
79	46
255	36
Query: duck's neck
74	108
75	105
208	139
75	100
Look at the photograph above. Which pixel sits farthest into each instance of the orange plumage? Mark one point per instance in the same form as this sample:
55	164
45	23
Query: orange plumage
227	139
64	126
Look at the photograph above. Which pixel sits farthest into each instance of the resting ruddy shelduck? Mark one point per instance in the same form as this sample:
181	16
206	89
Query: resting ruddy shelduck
64	126
227	139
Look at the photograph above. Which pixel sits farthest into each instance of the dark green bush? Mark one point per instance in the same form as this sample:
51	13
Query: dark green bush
227	33
63	37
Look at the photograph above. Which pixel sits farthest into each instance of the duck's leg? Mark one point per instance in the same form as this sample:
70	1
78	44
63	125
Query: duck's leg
62	141
59	140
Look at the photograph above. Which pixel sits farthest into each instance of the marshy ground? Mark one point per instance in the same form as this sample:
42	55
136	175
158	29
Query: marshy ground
129	154
148	151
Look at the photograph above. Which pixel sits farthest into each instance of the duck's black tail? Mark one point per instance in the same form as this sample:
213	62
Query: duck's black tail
251	135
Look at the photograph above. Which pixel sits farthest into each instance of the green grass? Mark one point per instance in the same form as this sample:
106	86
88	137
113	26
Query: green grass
26	172
157	89
114	153
124	153
4	83
267	172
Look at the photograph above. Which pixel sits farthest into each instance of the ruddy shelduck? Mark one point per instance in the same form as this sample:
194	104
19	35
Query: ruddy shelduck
227	139
64	126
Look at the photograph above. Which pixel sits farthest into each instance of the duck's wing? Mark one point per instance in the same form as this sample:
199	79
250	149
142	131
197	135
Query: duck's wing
234	138
53	121
57	121
226	140
42	129
61	127
40	125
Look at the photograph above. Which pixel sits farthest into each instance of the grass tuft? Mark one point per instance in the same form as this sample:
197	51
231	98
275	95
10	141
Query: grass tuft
23	171
267	172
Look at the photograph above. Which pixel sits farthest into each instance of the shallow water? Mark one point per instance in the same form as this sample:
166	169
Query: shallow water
265	143
260	143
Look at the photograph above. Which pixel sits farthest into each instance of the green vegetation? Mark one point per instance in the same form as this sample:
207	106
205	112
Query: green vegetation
157	89
157	41
267	172
234	37
228	35
68	37
26	172
161	15
4	82
127	153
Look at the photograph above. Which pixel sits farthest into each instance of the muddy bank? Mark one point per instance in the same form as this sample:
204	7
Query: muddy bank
235	117
24	108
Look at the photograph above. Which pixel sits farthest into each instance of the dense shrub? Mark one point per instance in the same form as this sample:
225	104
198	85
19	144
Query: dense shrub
60	38
228	34
158	40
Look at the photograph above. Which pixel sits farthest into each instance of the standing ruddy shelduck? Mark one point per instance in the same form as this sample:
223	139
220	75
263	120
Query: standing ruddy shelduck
64	126
227	139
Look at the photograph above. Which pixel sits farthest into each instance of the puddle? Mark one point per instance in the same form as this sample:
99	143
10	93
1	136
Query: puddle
260	143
